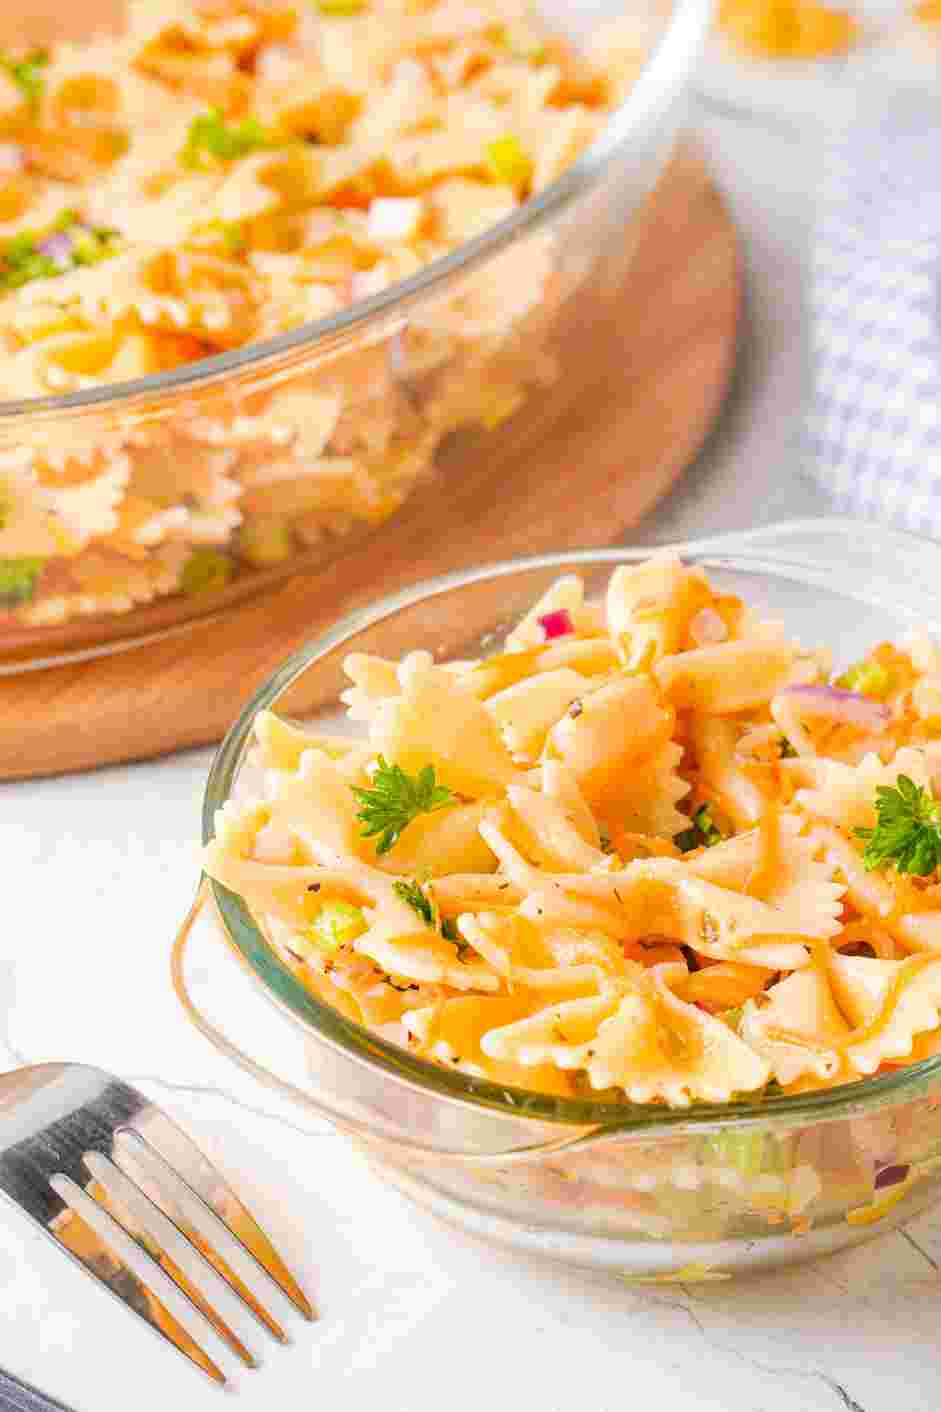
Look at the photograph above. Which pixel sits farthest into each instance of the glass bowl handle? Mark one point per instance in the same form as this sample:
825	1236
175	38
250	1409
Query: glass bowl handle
887	568
343	1122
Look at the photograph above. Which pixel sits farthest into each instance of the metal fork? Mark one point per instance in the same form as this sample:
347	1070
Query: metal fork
122	1190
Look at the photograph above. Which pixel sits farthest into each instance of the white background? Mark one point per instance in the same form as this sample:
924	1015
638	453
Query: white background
414	1318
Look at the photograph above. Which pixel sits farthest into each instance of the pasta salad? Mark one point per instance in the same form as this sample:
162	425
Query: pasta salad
651	850
225	171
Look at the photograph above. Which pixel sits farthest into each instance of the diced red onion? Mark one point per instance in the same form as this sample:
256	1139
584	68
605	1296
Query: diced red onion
58	248
12	157
707	626
848	707
556	624
892	1176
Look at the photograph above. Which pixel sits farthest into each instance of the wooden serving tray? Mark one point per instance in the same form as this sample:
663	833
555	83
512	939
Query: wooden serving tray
660	369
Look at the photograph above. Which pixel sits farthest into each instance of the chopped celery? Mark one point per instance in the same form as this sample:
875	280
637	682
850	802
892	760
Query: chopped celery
335	924
868	678
18	580
507	162
753	1153
205	570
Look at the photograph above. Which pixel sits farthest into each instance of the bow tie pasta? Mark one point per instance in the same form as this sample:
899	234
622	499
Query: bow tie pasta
595	864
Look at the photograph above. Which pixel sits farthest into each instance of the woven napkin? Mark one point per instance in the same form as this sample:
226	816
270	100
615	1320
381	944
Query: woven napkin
874	421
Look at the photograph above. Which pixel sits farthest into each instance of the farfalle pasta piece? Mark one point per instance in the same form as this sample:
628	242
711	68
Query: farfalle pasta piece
799	1029
448	840
844	794
889	1002
723	775
434	722
527	711
649	607
646	801
554	838
636	1036
797	879
451	1032
280	744
560	785
721	680
620	728
657	1048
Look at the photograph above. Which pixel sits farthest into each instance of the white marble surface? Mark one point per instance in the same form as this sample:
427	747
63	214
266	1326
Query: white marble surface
98	871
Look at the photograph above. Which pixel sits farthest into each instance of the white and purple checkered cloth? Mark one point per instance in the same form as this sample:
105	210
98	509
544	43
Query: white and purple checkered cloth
874	422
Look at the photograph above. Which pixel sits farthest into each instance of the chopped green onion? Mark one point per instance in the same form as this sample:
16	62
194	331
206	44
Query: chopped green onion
211	138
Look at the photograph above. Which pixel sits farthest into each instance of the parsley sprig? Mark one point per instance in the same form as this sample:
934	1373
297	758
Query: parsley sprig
395	799
703	831
211	139
27	74
414	894
907	835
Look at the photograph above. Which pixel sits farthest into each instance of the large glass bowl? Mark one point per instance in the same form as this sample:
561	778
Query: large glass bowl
641	1189
452	393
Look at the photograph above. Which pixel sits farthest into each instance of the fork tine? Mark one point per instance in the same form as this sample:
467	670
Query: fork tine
183	1163
87	1233
145	1222
201	1227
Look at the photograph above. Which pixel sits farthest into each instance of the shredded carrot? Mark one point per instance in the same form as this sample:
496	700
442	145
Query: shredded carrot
767	870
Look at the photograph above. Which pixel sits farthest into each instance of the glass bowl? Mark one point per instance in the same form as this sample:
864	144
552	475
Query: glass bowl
422	397
645	1190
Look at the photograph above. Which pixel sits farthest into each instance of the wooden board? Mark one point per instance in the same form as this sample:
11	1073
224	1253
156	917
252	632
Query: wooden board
661	366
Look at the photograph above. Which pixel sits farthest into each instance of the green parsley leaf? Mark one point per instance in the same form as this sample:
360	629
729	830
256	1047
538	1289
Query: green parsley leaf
395	799
702	833
413	893
211	139
907	835
27	75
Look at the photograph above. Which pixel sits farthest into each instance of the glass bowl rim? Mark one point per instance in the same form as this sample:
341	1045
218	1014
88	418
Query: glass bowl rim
670	63
398	1063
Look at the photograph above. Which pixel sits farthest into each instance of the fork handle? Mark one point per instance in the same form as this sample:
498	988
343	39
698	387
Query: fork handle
20	1397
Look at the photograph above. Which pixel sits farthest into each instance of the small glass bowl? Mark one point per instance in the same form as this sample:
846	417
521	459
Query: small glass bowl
645	1190
420	390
